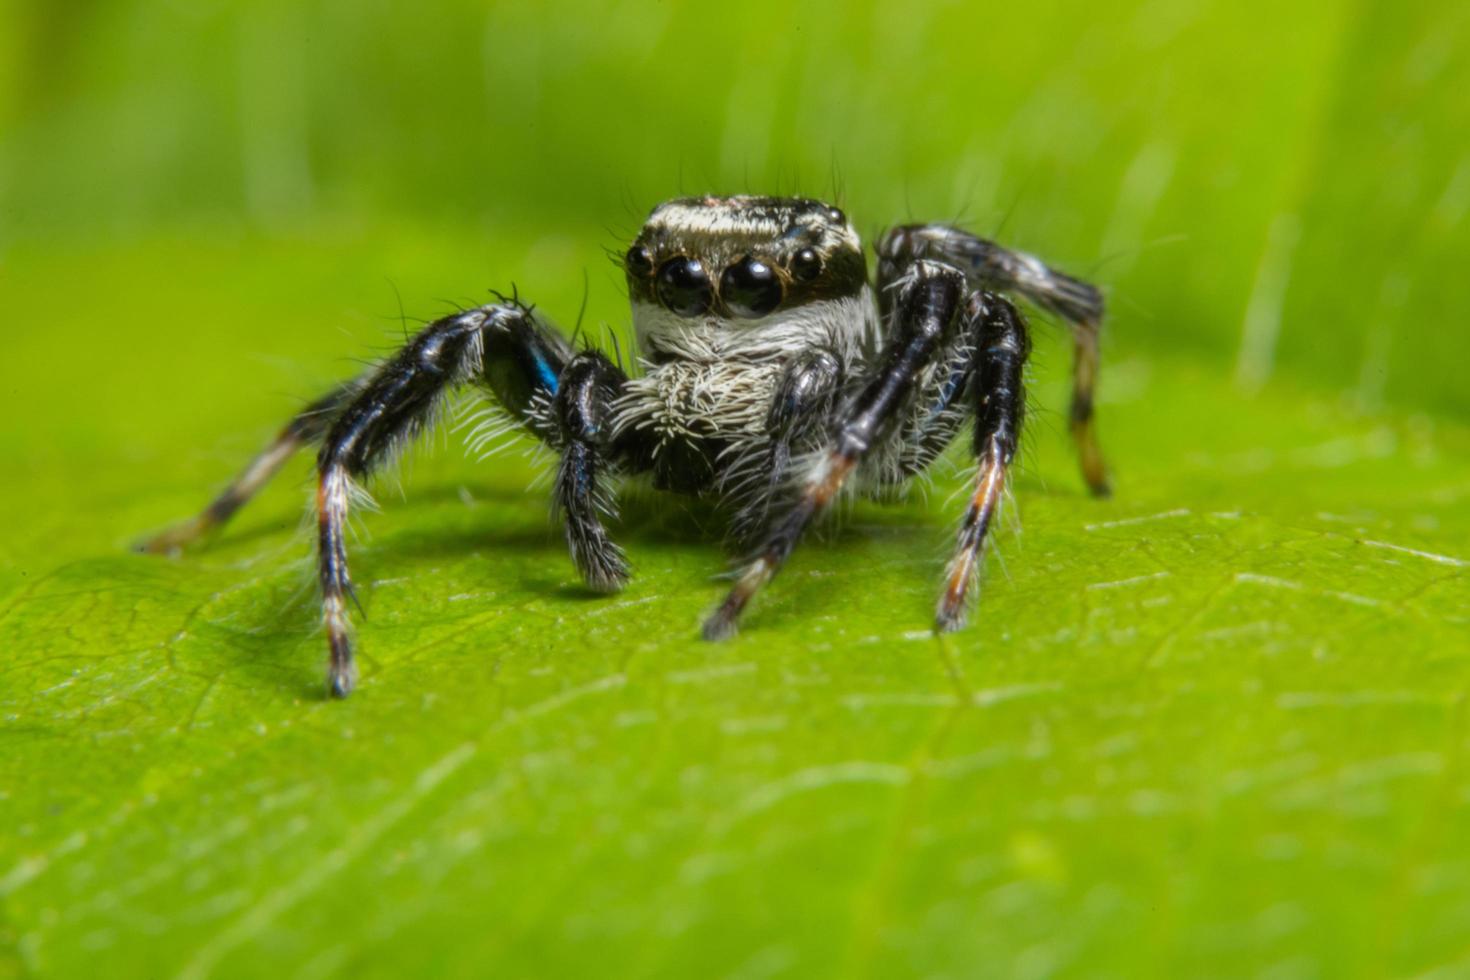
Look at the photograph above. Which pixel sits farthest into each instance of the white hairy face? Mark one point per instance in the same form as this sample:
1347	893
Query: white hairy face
845	324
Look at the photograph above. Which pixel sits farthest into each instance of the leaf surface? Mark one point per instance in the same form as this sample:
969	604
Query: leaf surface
1223	711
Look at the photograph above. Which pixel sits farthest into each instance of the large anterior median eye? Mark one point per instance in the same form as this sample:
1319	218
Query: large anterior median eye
750	288
684	287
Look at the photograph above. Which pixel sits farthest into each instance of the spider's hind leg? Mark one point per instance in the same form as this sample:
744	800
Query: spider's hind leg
994	267
306	428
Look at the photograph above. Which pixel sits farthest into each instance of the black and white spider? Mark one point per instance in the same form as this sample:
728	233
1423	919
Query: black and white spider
770	375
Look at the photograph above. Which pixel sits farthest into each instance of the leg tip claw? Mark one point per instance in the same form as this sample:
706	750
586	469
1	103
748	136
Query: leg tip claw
949	619
608	580
156	546
342	668
170	541
341	683
719	627
602	564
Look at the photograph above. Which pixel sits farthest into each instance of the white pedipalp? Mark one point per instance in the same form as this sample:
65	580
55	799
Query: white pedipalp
716	377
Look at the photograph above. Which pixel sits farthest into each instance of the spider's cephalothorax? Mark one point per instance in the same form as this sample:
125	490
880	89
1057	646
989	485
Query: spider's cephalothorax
731	298
772	375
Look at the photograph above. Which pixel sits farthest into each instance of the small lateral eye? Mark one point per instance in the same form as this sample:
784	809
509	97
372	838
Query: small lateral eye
836	216
750	288
684	286
806	265
639	261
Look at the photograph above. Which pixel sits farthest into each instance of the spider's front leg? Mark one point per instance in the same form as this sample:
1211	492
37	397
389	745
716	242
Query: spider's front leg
559	396
583	408
801	405
1001	347
393	406
994	267
927	307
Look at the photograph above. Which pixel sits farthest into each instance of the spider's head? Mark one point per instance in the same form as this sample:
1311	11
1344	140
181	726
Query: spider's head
722	260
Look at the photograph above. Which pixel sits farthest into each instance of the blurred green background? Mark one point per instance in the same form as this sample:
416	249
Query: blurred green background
1216	726
1284	184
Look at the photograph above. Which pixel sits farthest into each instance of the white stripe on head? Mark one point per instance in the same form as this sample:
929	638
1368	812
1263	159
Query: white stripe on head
751	219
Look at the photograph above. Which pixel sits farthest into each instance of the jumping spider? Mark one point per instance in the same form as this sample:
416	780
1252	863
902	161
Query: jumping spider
770	376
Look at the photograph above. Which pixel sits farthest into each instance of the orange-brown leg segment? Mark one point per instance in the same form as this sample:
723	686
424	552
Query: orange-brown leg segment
1001	351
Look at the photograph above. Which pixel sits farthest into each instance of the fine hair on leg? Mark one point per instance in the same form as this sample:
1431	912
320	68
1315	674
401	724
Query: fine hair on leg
392	407
559	396
587	389
999	404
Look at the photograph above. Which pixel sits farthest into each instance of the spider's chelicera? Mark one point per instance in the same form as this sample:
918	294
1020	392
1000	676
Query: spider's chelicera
772	374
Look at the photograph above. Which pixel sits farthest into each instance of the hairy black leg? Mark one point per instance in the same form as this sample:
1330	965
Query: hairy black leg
925	311
583	409
305	428
993	267
520	362
391	408
1084	426
800	407
802	397
1001	347
523	360
939	409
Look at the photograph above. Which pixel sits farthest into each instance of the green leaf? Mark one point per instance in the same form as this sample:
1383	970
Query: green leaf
1213	726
